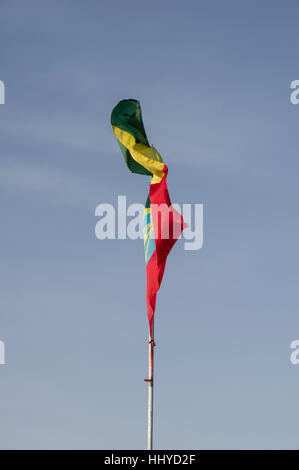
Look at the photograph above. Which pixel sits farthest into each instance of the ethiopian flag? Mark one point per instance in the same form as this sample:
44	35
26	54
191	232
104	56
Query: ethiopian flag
163	225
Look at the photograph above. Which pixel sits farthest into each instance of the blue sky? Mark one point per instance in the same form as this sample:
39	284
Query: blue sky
213	79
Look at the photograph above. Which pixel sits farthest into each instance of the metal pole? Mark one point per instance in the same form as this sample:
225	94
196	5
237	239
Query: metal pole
150	392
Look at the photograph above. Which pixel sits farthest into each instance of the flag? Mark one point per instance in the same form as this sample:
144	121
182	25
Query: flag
163	225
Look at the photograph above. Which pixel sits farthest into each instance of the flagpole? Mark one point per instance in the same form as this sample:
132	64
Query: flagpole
150	391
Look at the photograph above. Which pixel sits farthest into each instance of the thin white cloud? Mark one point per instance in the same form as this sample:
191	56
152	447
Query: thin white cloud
56	185
80	132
